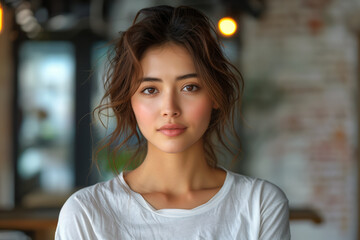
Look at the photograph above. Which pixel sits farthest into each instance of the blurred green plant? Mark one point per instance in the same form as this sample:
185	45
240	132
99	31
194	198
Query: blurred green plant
262	95
111	164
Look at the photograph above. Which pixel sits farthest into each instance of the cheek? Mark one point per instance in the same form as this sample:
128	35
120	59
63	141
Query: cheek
201	110
143	111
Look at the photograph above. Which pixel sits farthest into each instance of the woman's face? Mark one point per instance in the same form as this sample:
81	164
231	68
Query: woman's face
171	107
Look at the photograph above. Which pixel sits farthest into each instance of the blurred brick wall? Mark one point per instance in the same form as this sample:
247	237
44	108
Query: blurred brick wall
300	67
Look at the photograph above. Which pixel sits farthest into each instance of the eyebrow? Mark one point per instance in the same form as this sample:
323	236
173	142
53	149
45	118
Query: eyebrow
182	77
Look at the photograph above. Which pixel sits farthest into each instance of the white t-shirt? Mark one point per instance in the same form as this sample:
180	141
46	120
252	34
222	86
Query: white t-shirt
244	208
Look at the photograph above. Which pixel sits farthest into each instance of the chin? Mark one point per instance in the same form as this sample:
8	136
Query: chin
173	150
177	148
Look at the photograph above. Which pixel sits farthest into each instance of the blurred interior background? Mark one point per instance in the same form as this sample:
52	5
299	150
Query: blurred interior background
300	62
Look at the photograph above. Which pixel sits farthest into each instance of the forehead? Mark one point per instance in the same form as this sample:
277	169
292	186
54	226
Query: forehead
168	57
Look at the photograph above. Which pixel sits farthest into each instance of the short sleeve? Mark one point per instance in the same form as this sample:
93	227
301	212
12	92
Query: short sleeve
274	223
74	221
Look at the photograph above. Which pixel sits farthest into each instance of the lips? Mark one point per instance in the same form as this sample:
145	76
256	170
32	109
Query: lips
172	130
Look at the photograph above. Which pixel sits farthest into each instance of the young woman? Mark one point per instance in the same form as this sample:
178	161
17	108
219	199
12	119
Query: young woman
171	86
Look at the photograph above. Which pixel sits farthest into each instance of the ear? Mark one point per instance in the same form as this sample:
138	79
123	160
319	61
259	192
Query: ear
215	106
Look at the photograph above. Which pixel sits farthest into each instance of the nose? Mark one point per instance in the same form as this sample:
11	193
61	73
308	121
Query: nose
170	106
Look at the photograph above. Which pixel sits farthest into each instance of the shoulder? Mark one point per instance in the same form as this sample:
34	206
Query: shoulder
257	188
98	194
268	204
80	211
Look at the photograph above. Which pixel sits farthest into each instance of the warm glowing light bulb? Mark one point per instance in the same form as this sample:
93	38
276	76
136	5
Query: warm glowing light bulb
227	26
1	18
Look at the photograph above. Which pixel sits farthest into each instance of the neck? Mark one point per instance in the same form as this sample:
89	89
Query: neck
174	173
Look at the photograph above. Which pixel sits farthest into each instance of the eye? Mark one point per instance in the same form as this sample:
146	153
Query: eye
190	88
149	91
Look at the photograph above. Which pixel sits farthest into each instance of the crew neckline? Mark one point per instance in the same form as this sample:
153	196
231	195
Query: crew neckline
178	212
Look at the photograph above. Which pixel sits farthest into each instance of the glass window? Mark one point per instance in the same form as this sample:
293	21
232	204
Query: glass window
46	109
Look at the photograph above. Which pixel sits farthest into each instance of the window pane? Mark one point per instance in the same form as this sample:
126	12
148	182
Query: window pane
46	105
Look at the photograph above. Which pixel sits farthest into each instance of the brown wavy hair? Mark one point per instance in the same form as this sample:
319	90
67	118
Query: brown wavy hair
192	30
